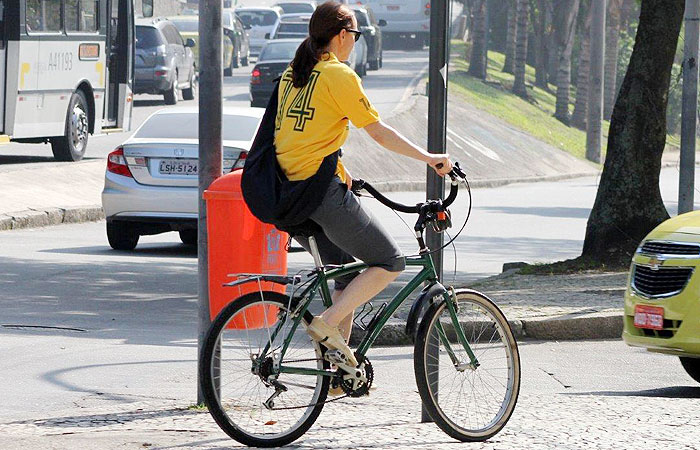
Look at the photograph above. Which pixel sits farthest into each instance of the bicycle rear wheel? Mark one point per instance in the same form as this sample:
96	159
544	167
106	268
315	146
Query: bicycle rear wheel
468	404
240	351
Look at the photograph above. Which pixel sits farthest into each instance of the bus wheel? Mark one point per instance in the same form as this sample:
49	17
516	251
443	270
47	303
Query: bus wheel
71	146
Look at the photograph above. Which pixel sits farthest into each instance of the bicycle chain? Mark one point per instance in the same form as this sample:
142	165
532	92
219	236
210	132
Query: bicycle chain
364	389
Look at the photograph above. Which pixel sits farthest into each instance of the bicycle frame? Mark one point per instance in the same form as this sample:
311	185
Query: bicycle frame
320	284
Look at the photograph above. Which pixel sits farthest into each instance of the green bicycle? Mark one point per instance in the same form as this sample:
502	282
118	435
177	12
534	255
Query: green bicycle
265	381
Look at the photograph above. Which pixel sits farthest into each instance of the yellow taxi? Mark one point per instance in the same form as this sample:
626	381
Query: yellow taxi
662	300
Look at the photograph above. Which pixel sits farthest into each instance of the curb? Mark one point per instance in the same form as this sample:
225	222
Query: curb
602	326
394	186
33	218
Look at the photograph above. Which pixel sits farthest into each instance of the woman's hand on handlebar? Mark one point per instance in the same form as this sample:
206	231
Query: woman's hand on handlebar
440	163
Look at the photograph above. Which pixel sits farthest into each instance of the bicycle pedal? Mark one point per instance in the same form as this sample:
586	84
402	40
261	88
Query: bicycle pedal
336	357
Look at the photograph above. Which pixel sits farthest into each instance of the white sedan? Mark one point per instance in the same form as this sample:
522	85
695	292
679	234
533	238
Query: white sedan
151	183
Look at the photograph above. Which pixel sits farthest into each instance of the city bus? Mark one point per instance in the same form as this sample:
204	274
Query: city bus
67	71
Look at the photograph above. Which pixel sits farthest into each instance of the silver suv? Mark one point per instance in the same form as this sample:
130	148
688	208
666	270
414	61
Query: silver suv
164	63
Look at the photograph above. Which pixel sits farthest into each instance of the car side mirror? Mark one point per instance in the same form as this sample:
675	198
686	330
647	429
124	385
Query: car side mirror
190	42
267	35
381	23
246	27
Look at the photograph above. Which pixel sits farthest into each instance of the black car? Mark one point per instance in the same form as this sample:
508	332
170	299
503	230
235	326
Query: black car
273	60
164	63
372	32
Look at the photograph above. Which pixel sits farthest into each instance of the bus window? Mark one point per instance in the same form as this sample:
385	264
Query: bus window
81	15
43	15
2	24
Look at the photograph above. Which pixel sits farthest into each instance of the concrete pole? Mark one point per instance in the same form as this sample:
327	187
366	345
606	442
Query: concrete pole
596	75
437	143
689	114
210	144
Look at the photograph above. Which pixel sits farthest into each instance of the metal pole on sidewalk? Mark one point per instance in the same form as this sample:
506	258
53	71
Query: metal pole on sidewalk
594	133
689	113
210	142
437	127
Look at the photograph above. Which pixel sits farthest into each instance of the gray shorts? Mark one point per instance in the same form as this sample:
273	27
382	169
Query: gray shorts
351	231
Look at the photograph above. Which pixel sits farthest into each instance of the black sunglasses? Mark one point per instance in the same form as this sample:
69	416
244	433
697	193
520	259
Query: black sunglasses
358	33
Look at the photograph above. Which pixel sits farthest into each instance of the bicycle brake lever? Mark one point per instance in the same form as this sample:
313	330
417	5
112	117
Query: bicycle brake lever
357	186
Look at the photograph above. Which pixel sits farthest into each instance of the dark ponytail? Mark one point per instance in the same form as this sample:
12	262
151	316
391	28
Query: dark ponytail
327	21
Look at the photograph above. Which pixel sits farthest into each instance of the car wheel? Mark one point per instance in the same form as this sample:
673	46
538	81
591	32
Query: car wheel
122	236
171	95
71	146
191	91
374	64
692	366
381	59
189	237
228	71
245	61
236	60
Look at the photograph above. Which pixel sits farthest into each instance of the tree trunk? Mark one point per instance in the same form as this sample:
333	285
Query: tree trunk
612	36
477	61
510	37
565	13
628	203
541	41
521	48
578	118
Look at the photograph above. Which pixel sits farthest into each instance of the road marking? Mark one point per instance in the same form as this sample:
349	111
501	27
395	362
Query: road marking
478	146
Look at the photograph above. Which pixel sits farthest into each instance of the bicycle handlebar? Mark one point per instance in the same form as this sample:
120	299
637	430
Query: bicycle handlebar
455	174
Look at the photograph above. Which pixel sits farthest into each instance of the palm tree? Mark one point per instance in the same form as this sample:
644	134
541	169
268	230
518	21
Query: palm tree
612	36
521	48
542	39
578	118
565	13
477	61
510	37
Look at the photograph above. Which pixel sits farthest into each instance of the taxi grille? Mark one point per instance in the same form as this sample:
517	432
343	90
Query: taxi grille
662	282
670	248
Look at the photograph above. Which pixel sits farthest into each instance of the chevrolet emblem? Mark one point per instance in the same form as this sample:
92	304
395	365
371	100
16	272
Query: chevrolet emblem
655	262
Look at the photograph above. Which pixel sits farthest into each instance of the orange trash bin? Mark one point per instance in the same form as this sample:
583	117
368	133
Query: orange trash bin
240	243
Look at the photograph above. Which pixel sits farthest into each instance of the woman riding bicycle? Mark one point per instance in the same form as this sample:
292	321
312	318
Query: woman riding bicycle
318	95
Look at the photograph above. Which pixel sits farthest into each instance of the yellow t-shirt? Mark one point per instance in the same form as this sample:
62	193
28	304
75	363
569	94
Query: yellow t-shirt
312	121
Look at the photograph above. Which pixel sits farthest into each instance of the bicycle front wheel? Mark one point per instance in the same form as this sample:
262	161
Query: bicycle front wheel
241	350
468	402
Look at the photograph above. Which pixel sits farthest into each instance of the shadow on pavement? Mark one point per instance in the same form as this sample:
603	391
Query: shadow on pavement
139	103
543	211
165	250
237	97
139	302
667	392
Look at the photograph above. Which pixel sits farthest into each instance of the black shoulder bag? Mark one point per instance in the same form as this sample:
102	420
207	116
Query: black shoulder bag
270	196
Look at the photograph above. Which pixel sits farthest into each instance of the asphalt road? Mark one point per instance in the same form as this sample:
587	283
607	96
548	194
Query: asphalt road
385	88
75	313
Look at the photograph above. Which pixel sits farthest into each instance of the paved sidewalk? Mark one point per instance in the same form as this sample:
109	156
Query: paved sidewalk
545	307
